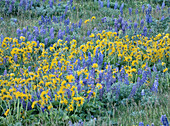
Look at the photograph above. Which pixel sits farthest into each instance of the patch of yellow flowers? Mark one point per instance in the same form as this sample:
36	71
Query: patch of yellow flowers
135	53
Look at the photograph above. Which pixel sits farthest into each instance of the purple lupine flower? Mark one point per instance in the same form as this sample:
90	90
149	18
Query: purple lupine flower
89	59
43	31
117	91
55	19
143	92
90	94
80	23
155	86
74	8
108	3
5	72
145	31
68	21
1	18
29	68
88	32
15	58
164	120
133	92
121	8
120	19
143	8
36	69
101	4
28	33
148	18
29	55
136	11
163	5
10	8
52	33
126	79
51	3
18	32
35	38
154	68
67	30
130	11
24	30
60	34
152	124
105	63
59	64
116	5
43	108
36	31
149	10
46	41
141	124
40	23
4	60
66	9
100	59
141	23
130	26
123	29
157	8
144	77
162	18
135	25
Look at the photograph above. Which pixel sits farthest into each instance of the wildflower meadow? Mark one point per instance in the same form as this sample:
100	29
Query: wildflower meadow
85	62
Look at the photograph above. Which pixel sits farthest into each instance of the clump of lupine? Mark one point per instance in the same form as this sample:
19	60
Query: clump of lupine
37	7
64	30
163	119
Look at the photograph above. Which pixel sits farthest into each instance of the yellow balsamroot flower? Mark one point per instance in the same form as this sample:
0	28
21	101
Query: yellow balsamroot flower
128	58
45	77
99	86
134	62
43	93
6	97
83	48
42	45
166	69
22	38
25	97
71	108
34	43
6	113
133	70
70	78
1	61
64	101
33	104
163	64
52	49
3	45
79	100
50	107
12	74
93	18
143	65
92	35
86	21
95	65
